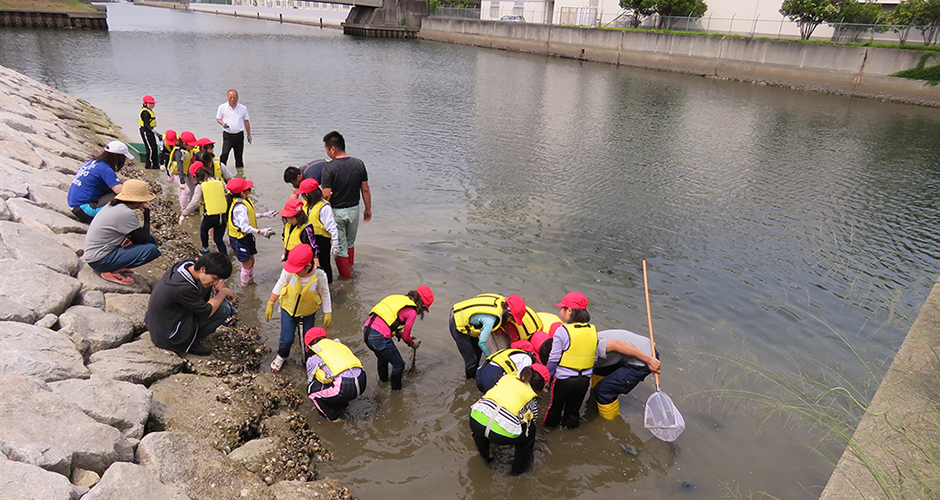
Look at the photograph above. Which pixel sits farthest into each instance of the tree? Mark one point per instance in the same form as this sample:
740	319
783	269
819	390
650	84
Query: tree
921	14
808	14
902	19
853	18
639	9
668	9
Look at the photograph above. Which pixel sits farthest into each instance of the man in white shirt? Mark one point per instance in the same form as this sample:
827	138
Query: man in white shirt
233	117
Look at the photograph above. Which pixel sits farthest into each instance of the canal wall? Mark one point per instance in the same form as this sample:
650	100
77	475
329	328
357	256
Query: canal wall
893	453
292	16
850	70
89	407
57	20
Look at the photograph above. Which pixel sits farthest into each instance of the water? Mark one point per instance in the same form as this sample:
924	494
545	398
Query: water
771	220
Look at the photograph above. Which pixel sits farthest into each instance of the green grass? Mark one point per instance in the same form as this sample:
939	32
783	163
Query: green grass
921	72
47	5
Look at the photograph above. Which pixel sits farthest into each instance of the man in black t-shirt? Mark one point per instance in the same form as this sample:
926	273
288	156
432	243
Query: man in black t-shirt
344	179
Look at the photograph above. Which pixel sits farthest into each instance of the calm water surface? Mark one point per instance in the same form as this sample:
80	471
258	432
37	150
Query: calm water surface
773	222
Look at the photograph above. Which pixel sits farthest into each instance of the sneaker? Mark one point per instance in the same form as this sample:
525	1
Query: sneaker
203	251
200	350
277	363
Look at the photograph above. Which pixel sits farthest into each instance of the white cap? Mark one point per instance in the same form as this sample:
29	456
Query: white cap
119	148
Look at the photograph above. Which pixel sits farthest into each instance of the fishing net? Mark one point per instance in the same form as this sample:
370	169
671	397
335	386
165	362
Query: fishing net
662	418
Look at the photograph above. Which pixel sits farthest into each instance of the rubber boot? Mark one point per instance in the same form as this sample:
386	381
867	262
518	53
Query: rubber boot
595	378
396	381
244	276
609	411
342	265
352	256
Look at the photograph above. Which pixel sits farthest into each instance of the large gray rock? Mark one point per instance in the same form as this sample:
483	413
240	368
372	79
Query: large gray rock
91	280
12	188
122	405
95	330
91	298
19	172
5	213
125	481
47	430
132	306
15	147
32	214
28	244
139	362
73	241
53	198
32	351
28	482
30	291
180	460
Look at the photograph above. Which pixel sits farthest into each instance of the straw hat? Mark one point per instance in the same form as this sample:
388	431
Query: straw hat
135	191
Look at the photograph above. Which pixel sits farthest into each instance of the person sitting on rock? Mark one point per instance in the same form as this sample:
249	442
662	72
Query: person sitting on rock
334	374
96	183
183	310
116	242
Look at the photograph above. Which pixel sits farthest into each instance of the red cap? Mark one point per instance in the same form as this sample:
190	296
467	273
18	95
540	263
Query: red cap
196	165
525	345
516	307
537	339
237	185
542	370
292	207
314	334
205	141
169	138
573	300
148	99
298	258
188	138
427	296
307	186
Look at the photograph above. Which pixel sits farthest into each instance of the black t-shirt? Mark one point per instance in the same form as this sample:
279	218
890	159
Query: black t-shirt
345	177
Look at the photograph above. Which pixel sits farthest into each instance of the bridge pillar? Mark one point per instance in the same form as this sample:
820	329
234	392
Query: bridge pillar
393	19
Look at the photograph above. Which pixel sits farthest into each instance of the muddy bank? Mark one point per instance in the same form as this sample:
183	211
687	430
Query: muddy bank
89	408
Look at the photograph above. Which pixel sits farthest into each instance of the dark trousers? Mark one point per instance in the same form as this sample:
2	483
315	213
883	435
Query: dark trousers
524	444
150	143
618	379
212	323
216	222
385	352
323	253
236	143
565	406
488	375
349	389
468	348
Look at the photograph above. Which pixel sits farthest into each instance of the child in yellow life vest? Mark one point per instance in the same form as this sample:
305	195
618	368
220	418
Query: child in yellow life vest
334	374
507	413
169	142
302	290
148	122
473	320
209	194
207	156
571	362
296	229
242	226
179	167
320	215
394	316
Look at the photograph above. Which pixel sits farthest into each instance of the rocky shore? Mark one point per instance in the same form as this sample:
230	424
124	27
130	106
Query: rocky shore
89	407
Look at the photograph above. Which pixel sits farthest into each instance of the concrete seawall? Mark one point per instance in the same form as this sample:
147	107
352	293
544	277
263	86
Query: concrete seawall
850	70
89	407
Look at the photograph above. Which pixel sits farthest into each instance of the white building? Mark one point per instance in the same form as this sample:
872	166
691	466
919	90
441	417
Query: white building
533	11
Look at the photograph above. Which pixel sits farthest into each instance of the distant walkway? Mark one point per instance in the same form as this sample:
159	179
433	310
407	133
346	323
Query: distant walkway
326	18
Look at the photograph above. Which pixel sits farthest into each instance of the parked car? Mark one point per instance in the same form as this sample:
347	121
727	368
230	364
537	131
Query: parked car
513	19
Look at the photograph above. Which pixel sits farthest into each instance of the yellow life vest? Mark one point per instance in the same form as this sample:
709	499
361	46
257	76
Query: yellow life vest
292	235
485	303
501	358
582	348
187	161
511	394
299	301
389	308
153	117
548	319
213	196
336	356
170	163
531	323
216	168
314	220
233	231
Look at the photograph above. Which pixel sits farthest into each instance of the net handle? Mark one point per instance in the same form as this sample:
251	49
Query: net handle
649	318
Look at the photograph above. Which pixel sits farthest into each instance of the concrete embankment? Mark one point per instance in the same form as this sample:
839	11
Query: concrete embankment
849	70
89	407
329	19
